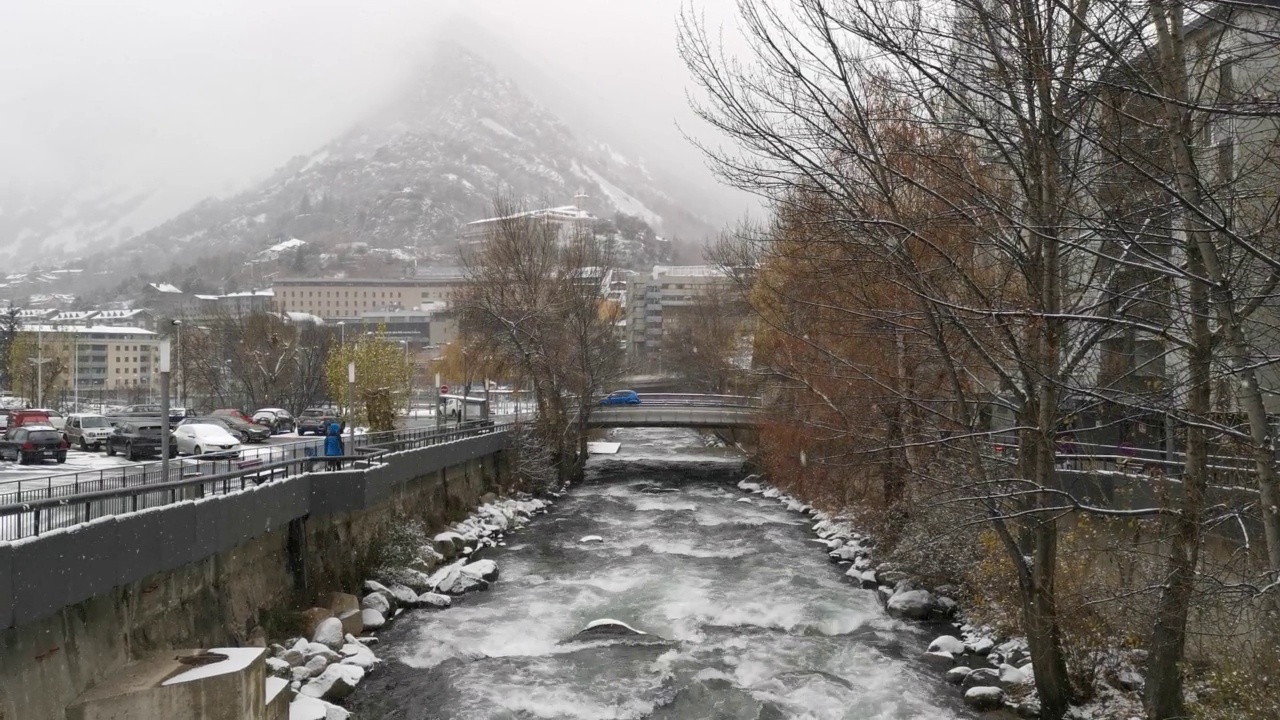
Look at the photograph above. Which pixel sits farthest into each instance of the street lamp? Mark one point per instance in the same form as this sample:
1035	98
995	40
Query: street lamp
182	376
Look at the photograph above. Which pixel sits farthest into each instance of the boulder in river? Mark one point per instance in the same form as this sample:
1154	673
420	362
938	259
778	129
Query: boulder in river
376	601
947	643
335	683
607	627
984	698
956	675
329	633
911	604
716	698
486	570
590	539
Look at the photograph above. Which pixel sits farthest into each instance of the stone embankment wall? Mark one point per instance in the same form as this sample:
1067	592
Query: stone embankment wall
77	605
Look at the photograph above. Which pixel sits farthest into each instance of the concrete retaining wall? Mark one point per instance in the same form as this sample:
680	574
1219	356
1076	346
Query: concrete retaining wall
78	604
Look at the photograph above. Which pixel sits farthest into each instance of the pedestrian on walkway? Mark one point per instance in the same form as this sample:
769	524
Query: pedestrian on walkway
333	445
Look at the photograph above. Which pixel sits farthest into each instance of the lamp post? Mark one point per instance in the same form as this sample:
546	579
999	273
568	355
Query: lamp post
351	407
182	376
164	410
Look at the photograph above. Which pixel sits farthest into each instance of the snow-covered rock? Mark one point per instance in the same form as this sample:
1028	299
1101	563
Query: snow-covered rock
948	644
1011	676
335	683
435	600
745	500
373	586
750	485
300	674
376	601
403	595
482	570
277	667
981	677
309	708
372	619
868	579
323	651
329	633
982	646
316	665
911	604
984	698
358	655
607	627
593	538
452	580
956	675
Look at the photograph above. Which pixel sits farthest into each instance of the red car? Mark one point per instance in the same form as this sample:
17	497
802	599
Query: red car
232	412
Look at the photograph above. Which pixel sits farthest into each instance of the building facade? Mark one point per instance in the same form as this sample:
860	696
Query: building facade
348	299
658	302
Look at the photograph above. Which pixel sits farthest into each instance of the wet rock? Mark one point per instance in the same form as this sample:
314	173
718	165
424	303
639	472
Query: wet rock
1028	709
715	698
329	633
911	604
938	659
868	579
944	608
891	577
293	657
415	580
983	698
376	601
947	644
956	675
340	603
352	622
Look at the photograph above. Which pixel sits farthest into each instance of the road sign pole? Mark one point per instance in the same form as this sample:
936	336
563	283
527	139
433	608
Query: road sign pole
164	411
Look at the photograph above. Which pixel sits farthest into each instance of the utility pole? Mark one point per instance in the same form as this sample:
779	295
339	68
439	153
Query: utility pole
75	369
164	410
182	379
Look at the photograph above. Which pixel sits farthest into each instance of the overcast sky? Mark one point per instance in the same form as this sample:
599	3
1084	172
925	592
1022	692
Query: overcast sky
205	96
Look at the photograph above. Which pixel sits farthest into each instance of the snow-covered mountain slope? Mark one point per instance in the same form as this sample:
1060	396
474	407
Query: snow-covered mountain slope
409	177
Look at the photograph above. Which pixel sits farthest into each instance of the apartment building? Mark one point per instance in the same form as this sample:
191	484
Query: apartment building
350	298
95	357
660	300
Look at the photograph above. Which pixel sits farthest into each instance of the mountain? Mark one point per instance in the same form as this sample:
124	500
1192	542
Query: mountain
405	179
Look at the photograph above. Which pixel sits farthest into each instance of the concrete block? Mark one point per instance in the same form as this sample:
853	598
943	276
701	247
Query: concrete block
6	585
226	684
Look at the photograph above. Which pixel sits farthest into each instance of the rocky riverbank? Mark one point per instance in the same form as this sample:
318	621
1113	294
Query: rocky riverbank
324	666
992	673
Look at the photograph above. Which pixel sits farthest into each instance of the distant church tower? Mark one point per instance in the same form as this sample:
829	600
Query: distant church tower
582	201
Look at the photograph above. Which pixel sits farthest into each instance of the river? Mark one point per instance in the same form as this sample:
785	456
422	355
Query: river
745	616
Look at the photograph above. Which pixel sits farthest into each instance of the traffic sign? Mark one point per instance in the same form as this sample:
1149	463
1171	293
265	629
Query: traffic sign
444	389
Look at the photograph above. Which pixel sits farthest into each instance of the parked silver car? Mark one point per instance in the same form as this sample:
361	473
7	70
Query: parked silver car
88	430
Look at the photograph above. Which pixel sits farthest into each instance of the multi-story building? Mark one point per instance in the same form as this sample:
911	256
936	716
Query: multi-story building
94	358
659	301
350	298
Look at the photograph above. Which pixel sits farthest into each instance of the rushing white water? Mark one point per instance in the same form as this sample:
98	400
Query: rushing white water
744	615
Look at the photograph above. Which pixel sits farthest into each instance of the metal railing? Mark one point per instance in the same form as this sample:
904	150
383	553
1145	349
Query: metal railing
696	400
34	507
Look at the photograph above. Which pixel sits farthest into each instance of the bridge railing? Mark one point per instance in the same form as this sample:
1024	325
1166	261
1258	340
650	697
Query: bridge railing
46	505
699	400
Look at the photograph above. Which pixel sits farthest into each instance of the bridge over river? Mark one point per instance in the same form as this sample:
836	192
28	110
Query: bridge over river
681	411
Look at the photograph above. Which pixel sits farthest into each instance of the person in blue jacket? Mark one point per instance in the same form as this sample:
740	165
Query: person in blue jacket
333	445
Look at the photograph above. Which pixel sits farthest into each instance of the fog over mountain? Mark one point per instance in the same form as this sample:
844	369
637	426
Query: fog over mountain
115	117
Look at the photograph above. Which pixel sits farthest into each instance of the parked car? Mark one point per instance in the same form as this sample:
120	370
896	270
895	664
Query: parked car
136	438
18	418
278	419
34	443
206	439
231	412
4	417
243	431
87	430
316	420
621	397
141	411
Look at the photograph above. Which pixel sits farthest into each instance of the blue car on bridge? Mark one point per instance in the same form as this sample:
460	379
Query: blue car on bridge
621	397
